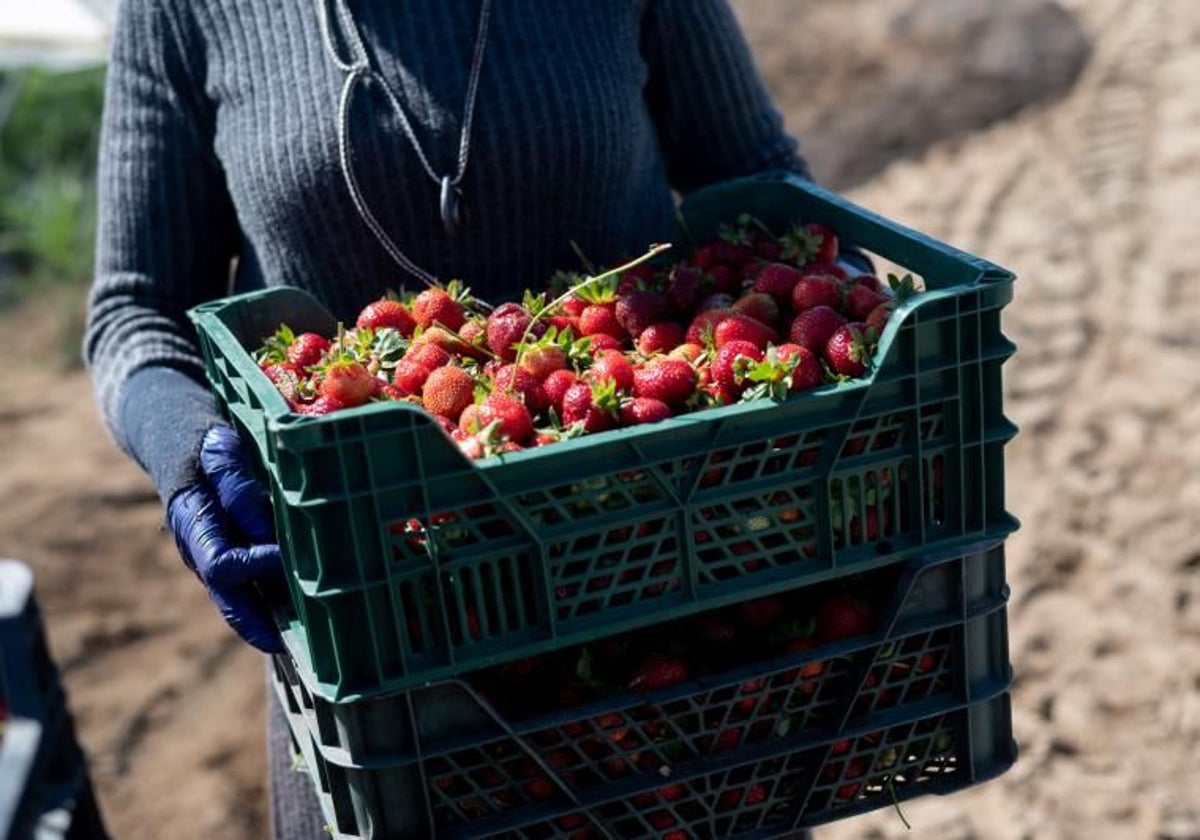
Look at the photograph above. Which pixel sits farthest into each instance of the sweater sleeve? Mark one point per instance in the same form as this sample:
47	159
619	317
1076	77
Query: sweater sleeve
166	235
714	117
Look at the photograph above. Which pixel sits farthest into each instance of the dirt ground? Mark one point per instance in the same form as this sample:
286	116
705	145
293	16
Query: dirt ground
1090	195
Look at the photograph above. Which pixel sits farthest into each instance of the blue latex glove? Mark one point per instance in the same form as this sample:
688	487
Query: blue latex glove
222	526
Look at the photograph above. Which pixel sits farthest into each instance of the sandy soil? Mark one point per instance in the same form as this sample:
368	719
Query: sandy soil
1090	197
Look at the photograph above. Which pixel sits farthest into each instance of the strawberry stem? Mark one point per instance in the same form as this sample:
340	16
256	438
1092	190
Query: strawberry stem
896	803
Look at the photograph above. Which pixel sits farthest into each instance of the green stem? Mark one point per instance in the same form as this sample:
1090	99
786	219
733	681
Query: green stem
896	803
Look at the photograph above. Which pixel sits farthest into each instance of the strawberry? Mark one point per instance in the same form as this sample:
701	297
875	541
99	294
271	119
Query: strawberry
742	328
759	306
409	376
725	280
506	328
684	290
611	364
778	280
688	352
540	789
519	382
878	317
440	306
348	382
473	331
833	269
448	391
662	337
701	329
639	309
574	306
671	380
515	422
386	312
849	349
862	299
307	349
810	243
731	363
657	673
470	445
842	617
468	420
803	364
594	406
446	340
601	342
542	360
644	410
601	318
323	404
757	614
816	290
556	385
812	328
428	355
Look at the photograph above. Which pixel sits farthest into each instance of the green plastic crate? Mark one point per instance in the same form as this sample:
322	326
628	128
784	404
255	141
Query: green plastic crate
919	705
540	549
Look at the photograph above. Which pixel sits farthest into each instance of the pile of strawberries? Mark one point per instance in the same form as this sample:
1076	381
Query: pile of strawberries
749	315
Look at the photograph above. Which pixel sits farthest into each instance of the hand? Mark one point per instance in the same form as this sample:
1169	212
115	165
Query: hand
222	526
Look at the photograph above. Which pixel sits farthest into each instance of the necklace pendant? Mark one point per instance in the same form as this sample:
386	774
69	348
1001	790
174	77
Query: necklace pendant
451	207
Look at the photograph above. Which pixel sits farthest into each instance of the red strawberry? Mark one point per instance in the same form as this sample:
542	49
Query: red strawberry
731	363
828	267
662	337
759	306
684	290
804	364
323	404
556	385
436	306
448	391
396	394
473	331
816	290
506	328
671	380
574	306
742	328
601	342
878	317
639	309
658	673
307	349
777	280
848	350
704	324
643	410
519	382
688	352
725	280
542	360
602	318
348	382
593	406
428	356
611	364
813	327
468	420
386	313
516	424
842	617
409	376
862	299
810	243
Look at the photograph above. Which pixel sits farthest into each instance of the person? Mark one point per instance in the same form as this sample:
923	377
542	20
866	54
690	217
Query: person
346	148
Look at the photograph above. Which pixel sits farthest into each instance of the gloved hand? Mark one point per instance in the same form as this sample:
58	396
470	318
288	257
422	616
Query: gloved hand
222	526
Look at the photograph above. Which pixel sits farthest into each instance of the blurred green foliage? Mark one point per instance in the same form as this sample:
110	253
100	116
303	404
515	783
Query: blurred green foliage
49	133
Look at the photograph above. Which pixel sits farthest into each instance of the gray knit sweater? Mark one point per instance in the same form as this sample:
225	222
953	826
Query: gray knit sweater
220	147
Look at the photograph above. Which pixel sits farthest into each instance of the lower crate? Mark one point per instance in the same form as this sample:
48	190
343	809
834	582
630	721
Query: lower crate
919	704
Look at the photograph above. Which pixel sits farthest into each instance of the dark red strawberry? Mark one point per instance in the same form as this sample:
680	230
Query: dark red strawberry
306	350
662	337
861	299
642	410
409	376
506	328
777	280
848	351
594	406
725	280
759	306
448	391
672	381
742	328
841	617
812	328
816	290
639	309
515	423
611	364
684	289
878	317
386	312
556	385
519	382
731	364
601	318
658	673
